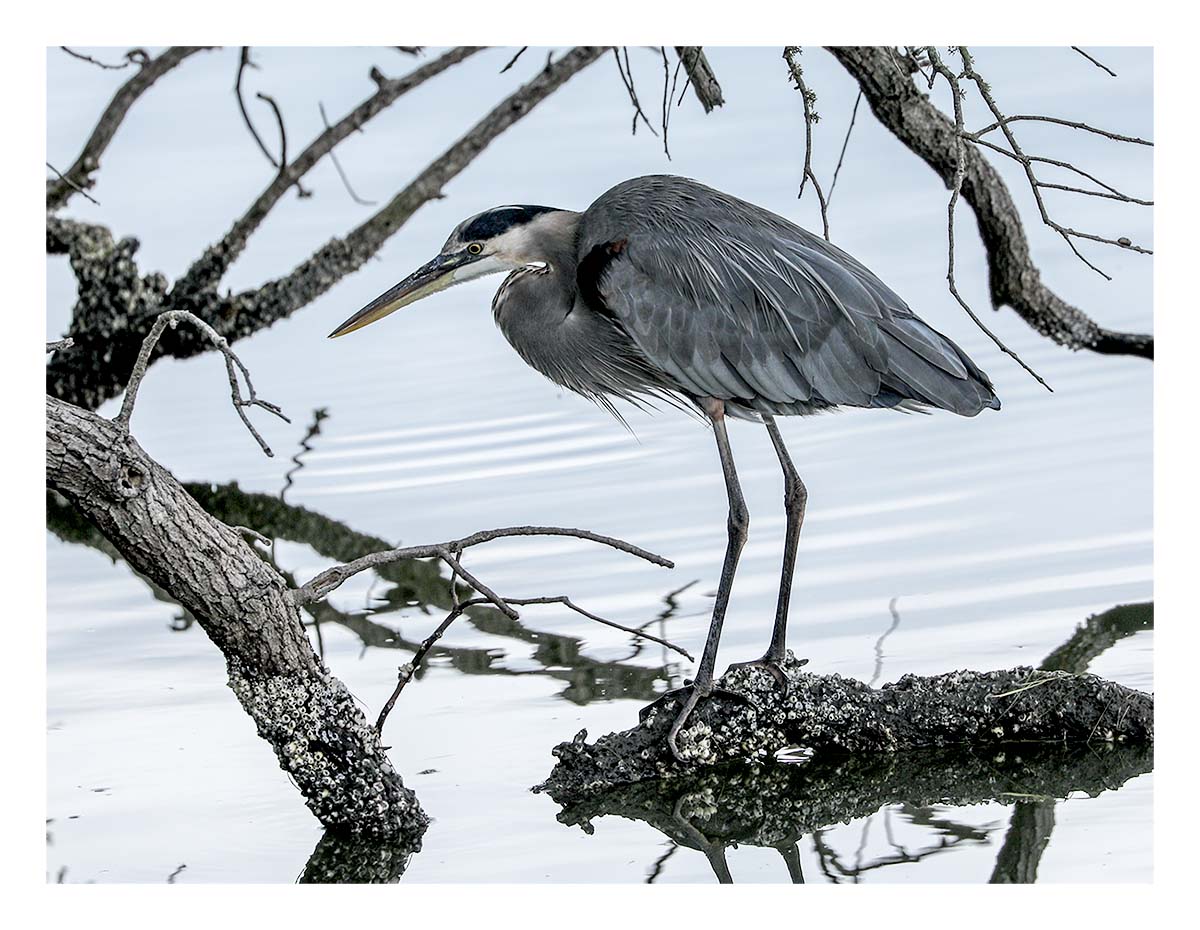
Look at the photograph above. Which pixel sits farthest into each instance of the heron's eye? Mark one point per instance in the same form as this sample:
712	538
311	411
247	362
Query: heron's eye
475	248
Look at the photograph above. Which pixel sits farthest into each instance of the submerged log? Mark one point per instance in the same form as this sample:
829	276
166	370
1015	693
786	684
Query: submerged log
752	719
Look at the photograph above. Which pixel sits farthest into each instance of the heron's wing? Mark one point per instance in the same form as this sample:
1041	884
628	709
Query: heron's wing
735	302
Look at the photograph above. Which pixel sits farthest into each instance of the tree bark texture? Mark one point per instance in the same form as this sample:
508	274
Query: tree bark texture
312	722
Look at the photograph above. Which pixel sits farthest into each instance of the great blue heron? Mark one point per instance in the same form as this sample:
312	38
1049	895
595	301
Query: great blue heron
664	289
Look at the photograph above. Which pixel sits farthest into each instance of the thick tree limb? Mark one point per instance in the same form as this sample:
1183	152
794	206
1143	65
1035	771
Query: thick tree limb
79	176
1014	279
312	722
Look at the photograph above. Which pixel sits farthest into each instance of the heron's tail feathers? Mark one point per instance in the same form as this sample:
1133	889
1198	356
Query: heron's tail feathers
926	368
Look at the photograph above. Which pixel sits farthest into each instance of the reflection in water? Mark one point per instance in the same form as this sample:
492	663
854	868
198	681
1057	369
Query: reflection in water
774	807
415	584
778	805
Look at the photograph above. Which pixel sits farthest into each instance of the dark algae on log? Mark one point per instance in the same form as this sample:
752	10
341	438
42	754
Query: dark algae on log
752	719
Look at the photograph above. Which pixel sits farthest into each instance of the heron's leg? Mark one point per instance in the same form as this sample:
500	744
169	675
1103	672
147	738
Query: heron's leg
791	858
738	529
715	855
795	498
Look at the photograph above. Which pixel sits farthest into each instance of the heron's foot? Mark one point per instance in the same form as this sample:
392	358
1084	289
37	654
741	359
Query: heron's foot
690	696
772	665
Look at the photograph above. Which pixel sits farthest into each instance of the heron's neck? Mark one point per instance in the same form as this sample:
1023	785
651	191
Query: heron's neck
551	239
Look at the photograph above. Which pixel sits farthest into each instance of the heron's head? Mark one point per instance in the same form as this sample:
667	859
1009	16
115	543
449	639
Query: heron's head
501	239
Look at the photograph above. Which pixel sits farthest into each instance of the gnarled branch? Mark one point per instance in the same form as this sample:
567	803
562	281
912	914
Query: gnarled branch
1014	279
79	175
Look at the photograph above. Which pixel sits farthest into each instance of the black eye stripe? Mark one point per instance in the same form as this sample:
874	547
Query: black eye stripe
495	222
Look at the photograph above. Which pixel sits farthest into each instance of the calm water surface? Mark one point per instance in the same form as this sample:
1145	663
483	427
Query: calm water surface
992	538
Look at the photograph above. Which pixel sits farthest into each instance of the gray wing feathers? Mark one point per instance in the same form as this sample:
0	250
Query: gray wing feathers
737	303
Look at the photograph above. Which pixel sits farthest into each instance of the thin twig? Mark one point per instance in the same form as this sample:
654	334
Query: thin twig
136	56
959	173
244	62
330	579
338	165
283	141
1094	61
791	55
512	61
52	347
451	559
233	365
408	671
1003	123
567	602
75	187
845	144
666	99
626	73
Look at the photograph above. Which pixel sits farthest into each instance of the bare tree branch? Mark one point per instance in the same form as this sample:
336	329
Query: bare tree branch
117	306
136	56
791	55
626	73
208	270
244	62
845	144
1014	280
233	365
338	165
1102	67
512	61
700	76
960	162
79	176
1004	124
332	578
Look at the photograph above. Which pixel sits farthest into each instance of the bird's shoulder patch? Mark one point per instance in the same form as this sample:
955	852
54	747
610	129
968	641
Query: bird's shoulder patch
591	270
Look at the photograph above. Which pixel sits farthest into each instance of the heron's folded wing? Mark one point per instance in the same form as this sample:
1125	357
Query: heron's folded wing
737	303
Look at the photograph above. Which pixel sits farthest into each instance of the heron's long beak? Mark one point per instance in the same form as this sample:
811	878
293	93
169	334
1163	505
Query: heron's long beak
430	278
